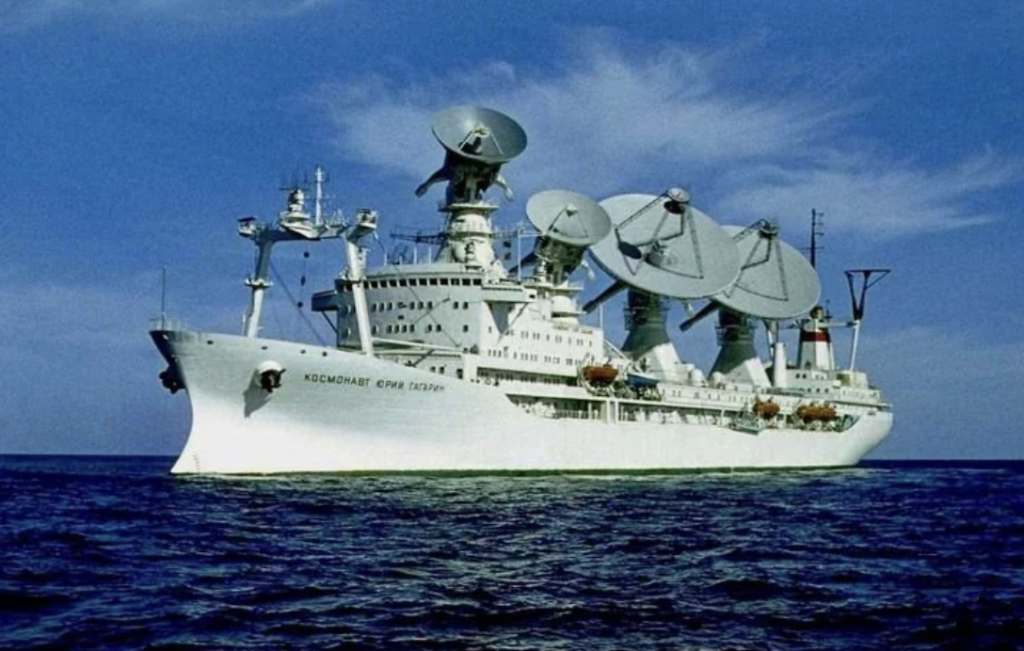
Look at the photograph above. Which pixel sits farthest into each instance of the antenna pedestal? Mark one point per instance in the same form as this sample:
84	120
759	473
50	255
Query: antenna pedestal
737	358
647	342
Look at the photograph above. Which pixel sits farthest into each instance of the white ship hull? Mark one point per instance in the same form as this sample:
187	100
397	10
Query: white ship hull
340	411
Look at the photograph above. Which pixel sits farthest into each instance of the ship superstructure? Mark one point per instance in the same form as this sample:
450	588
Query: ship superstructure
460	363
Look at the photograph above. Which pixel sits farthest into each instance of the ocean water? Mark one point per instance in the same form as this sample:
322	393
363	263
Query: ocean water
106	553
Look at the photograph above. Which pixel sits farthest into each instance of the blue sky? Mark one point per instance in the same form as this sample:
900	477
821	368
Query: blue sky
133	133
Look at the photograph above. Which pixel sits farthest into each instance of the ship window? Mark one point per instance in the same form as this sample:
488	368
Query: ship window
405	328
455	305
444	281
402	282
373	307
440	369
465	328
412	327
477	282
433	369
465	305
433	282
430	305
348	332
374	330
420	305
392	283
458	373
438	327
430	328
490	329
391	305
390	328
465	282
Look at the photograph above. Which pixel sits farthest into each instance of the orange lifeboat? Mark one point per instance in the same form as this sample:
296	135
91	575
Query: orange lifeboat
766	409
600	375
813	412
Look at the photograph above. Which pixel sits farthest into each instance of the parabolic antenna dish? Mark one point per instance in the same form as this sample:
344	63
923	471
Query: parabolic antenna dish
568	217
479	134
775	282
662	245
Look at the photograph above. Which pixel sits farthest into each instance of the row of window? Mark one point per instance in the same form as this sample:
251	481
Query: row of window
529	357
404	328
527	377
402	305
558	338
423	282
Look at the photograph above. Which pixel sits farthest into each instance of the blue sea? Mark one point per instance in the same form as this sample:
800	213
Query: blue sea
113	553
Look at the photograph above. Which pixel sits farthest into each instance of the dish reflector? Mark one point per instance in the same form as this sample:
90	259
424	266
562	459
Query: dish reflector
568	217
479	134
775	281
662	245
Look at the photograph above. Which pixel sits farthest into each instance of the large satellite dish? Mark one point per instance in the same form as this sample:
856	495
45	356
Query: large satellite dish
479	134
662	245
568	217
775	281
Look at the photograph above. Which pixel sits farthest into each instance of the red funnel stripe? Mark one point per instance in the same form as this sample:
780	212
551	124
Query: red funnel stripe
806	336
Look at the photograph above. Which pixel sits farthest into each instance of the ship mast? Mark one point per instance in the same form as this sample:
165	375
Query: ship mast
858	301
293	224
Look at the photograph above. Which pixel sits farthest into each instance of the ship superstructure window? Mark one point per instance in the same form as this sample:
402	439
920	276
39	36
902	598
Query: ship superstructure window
444	282
430	327
465	328
465	305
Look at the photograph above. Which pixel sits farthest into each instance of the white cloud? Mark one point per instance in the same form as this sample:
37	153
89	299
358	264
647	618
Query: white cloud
24	15
871	194
608	122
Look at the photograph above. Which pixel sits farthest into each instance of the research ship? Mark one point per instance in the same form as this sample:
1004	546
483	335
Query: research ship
473	360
